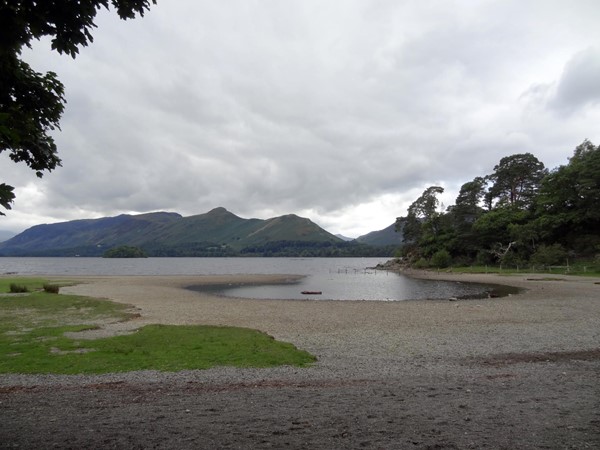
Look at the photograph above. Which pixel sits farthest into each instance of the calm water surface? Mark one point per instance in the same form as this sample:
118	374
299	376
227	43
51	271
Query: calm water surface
336	278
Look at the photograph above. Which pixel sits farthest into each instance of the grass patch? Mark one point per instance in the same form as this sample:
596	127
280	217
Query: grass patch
41	309
32	340
153	347
51	288
582	269
18	288
192	346
31	284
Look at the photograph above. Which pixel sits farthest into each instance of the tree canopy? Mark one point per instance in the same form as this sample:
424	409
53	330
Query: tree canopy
125	251
32	103
519	213
516	179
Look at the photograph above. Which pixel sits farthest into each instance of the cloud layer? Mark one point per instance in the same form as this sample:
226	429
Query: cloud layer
341	111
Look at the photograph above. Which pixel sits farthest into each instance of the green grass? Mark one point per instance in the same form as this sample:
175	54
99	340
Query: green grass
32	339
42	309
31	283
583	269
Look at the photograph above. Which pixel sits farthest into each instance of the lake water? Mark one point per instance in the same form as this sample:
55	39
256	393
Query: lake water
336	278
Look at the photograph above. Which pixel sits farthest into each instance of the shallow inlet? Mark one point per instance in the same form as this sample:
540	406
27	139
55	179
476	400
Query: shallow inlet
355	285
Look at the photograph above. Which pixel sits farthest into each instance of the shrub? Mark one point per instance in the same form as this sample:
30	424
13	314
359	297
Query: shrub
484	257
421	263
51	288
441	259
549	255
462	261
513	259
18	288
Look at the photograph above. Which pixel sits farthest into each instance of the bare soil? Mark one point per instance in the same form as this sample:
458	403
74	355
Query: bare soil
515	372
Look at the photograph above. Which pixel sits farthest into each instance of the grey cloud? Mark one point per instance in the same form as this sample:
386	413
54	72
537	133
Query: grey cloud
579	85
269	107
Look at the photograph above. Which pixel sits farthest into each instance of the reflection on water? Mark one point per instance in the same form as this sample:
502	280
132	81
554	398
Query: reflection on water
357	285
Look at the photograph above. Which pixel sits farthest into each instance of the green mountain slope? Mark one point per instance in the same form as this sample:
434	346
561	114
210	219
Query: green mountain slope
217	226
216	233
88	236
387	236
289	228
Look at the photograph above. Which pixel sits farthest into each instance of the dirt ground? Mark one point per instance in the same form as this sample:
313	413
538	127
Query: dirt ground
517	372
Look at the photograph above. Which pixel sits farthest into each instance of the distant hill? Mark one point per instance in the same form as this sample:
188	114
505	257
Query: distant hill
88	237
215	233
385	237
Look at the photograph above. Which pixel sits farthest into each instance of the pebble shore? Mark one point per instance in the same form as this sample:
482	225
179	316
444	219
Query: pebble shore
358	339
514	372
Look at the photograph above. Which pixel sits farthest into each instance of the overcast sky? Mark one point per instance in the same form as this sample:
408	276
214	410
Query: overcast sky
342	111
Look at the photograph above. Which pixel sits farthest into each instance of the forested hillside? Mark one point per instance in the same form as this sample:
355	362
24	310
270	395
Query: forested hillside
520	214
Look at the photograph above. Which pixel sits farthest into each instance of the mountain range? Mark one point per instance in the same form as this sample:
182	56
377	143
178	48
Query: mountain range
215	233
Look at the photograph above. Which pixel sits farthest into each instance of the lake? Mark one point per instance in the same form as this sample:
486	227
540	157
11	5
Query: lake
336	278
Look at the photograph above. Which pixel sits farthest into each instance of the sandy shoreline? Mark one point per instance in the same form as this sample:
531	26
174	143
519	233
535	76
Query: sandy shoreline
516	372
365	339
550	314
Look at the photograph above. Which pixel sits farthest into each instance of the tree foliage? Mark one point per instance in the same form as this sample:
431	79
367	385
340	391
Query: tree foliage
517	214
516	179
125	251
568	207
421	214
32	103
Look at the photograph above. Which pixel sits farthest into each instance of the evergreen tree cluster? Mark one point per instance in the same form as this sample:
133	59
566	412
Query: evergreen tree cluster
519	214
125	251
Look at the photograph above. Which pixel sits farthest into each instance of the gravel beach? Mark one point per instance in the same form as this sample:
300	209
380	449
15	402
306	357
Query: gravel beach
521	371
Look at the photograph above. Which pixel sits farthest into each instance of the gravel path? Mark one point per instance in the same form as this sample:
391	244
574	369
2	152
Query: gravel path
515	372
